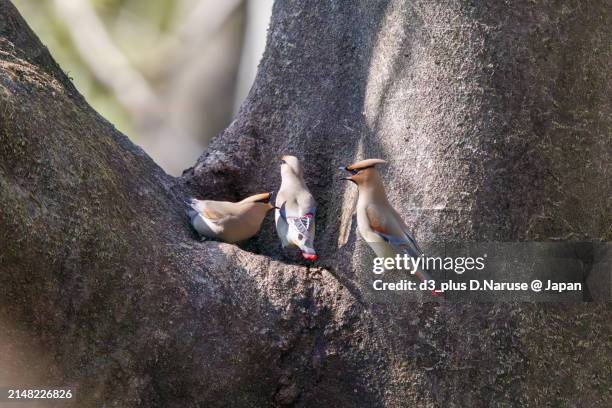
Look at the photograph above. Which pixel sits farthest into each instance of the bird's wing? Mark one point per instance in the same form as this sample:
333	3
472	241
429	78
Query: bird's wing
282	210
211	214
215	211
300	220
385	225
306	203
297	205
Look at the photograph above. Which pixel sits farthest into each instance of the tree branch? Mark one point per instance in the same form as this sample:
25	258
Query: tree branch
98	263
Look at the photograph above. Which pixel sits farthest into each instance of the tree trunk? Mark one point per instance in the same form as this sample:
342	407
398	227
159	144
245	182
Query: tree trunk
495	119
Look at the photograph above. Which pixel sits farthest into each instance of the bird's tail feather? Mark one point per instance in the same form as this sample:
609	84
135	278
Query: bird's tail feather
191	203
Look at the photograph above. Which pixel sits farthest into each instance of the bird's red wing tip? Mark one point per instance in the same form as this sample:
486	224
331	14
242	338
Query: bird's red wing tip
436	293
310	257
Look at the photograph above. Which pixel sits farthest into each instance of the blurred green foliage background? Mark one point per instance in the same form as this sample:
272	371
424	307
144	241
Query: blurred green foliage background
168	73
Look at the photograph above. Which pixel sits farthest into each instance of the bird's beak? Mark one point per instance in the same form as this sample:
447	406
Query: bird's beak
350	178
343	168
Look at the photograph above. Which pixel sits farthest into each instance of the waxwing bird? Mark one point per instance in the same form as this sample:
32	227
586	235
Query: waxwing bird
377	221
296	208
227	221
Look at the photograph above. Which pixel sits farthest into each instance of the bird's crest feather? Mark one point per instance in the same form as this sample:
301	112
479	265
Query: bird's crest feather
263	197
365	164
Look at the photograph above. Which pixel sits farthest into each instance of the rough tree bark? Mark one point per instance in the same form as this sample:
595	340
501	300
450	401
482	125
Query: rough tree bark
495	118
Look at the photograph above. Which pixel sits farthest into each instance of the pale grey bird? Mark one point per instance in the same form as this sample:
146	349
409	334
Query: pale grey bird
296	209
377	221
227	221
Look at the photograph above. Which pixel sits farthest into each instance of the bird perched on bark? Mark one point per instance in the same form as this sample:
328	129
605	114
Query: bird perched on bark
377	221
227	221
296	208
